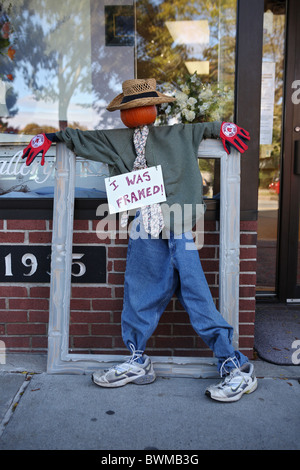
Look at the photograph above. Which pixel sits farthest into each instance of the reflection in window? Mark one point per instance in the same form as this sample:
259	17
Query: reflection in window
270	144
60	69
189	47
56	69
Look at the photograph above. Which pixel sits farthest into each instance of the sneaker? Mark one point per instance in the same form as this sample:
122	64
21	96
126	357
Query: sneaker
129	371
239	381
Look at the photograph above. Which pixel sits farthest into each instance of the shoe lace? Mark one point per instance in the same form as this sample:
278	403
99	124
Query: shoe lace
234	361
233	372
134	357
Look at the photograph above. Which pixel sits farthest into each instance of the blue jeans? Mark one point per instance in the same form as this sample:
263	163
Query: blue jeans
155	270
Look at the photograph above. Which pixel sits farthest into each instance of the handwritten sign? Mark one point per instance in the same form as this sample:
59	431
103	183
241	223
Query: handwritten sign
135	189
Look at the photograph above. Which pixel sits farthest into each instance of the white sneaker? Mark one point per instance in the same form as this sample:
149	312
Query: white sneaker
240	380
129	371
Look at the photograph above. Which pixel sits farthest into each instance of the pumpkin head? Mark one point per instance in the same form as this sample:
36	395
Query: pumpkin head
140	116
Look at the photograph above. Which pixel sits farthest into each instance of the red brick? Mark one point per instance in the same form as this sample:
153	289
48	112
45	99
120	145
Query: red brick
107	304
37	316
183	330
40	292
119	292
12	237
210	226
248	279
81	225
246	342
85	238
10	316
117	252
250	225
247	265
26	329
116	279
174	342
79	329
246	330
247	304
248	239
164	329
16	342
80	304
91	292
247	291
247	317
106	330
248	253
29	304
39	342
26	225
13	291
207	252
211	238
120	266
90	317
210	265
92	342
40	237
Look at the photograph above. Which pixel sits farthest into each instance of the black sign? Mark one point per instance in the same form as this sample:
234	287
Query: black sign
31	263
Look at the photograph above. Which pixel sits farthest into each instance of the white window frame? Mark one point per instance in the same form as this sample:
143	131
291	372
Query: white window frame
60	360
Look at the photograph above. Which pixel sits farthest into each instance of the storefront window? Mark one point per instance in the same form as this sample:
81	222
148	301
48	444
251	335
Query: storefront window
270	144
63	62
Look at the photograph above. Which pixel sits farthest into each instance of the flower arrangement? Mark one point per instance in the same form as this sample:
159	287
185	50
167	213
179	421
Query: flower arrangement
195	102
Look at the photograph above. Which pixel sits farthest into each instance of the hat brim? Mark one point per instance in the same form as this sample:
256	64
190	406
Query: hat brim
116	103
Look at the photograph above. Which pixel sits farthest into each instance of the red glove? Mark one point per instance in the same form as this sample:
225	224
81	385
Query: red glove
232	135
39	143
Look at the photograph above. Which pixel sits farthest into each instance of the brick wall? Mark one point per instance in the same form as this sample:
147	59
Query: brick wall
95	325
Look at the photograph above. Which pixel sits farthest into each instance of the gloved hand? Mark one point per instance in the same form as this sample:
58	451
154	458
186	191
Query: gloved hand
235	136
39	143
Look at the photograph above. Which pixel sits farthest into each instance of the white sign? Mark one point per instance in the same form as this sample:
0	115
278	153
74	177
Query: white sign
135	189
267	103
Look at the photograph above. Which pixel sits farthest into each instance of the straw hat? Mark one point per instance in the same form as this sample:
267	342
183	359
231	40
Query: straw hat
138	92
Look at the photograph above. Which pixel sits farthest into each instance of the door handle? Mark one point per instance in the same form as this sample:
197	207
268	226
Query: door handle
297	158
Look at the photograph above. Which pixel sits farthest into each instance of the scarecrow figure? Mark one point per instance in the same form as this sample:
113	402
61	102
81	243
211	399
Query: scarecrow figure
162	260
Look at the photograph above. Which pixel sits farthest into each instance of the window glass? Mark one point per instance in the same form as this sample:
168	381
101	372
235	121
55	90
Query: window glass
189	47
270	145
63	62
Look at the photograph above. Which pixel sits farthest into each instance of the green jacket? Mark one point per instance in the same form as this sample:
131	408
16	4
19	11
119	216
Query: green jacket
174	147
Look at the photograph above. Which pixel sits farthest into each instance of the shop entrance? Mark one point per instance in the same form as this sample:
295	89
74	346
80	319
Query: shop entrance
278	270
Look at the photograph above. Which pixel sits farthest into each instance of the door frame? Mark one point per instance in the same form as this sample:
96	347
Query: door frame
288	291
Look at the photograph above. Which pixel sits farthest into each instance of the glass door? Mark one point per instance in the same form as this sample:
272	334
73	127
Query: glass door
278	267
272	93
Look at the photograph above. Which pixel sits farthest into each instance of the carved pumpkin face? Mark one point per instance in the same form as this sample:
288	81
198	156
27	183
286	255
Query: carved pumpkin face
141	116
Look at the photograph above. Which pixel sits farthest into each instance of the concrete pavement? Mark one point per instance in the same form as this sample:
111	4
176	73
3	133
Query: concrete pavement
39	411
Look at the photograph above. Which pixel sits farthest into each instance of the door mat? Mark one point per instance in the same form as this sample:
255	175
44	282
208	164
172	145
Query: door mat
277	333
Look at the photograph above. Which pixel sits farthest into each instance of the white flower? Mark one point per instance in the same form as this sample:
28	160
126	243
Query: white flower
191	101
168	110
190	115
181	97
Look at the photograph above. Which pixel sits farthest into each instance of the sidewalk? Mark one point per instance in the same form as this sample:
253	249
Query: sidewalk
46	412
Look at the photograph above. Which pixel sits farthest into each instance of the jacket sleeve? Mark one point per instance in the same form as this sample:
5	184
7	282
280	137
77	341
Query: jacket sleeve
92	145
205	130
